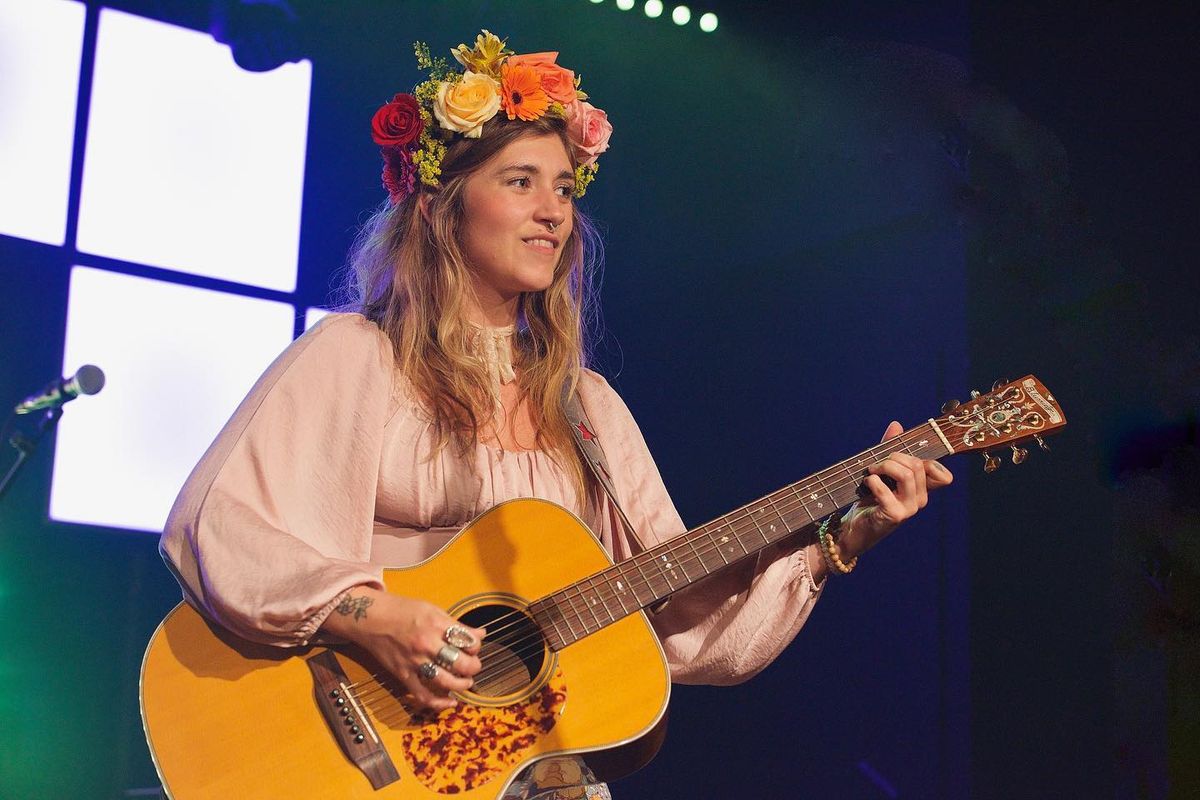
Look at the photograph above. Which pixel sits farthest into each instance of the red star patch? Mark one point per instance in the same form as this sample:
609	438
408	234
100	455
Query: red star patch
587	435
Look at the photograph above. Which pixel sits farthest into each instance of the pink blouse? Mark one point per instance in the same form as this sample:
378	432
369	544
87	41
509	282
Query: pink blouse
323	476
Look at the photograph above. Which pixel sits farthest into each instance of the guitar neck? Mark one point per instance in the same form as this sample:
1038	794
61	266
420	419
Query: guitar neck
599	600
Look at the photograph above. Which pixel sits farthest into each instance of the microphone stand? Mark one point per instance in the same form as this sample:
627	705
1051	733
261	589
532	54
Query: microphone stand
25	445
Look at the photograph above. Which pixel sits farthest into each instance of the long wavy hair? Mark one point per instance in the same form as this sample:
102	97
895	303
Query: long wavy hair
409	275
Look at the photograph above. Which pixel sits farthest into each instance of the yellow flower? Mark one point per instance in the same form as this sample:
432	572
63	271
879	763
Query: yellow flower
465	105
485	57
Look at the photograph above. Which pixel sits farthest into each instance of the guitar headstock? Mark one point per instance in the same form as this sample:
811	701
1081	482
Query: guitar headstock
1010	414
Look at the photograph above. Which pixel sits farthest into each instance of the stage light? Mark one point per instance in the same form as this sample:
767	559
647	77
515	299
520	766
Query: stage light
682	15
195	165
40	47
178	361
708	22
653	8
597	2
625	5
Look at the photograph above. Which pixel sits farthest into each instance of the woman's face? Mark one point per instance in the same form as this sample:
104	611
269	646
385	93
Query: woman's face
511	203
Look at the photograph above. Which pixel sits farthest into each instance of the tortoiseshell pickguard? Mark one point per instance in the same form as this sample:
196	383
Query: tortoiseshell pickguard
469	745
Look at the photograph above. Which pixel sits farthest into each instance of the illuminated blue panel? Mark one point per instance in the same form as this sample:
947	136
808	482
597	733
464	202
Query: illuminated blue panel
40	45
177	360
193	164
313	316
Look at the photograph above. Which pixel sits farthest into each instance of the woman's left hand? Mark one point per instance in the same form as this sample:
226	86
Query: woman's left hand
873	520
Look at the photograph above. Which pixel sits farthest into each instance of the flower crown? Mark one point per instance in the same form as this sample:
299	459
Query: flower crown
525	87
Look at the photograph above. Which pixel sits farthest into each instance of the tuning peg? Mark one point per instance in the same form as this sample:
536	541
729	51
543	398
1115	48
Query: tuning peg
990	463
949	406
975	394
1019	454
1041	442
999	383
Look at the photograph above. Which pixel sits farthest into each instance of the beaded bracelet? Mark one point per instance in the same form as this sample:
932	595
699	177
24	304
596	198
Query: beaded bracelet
829	548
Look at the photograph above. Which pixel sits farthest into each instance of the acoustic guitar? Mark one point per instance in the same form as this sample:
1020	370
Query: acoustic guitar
571	664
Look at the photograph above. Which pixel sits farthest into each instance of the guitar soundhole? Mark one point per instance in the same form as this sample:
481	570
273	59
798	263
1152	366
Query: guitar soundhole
514	653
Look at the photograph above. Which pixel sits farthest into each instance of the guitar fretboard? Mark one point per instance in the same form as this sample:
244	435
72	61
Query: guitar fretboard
601	599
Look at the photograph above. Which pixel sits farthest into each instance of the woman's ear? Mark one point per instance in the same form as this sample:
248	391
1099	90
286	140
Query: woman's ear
423	207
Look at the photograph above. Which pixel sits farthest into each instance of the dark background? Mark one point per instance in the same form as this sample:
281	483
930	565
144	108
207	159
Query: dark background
818	219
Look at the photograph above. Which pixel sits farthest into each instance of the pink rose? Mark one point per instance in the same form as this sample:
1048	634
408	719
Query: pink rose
588	129
558	82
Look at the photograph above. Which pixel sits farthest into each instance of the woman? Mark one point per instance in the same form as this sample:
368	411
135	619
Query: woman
380	433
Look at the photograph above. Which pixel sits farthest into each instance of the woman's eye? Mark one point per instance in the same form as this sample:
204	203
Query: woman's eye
565	191
522	182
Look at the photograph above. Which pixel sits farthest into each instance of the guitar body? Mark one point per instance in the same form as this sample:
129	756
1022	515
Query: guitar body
227	718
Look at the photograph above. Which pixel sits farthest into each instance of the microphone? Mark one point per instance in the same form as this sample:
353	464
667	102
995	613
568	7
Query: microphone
89	379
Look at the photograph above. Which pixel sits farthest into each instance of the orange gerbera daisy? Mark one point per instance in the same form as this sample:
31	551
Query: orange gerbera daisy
521	93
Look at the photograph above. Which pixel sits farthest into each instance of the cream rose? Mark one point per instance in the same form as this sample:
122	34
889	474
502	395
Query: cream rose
464	106
588	129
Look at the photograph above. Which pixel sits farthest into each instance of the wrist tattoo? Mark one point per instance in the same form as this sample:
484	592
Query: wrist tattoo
356	606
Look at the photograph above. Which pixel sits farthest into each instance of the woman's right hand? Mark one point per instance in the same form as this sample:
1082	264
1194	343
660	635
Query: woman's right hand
404	633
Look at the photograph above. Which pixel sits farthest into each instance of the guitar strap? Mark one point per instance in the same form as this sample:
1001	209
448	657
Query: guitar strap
593	455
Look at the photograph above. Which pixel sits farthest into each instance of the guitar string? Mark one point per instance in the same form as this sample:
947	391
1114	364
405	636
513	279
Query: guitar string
507	672
517	650
514	652
700	554
705	552
514	656
373	698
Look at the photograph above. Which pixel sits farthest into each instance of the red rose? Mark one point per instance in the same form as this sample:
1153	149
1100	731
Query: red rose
397	124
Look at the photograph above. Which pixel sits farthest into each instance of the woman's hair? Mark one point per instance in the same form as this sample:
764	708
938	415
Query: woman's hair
408	274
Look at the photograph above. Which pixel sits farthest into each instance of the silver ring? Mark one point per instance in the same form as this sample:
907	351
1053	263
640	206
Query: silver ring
447	656
428	671
551	226
458	636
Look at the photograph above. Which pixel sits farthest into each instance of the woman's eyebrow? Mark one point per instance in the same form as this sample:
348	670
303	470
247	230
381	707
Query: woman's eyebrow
533	169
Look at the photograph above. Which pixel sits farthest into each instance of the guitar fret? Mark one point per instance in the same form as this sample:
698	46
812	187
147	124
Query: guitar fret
718	545
855	477
665	563
829	498
548	611
803	502
758	527
700	554
637	560
679	562
728	539
737	537
619	584
579	605
782	519
577	615
590	605
599	595
567	611
699	557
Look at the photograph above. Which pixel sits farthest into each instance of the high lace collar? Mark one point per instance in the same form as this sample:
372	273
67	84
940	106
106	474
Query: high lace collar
495	348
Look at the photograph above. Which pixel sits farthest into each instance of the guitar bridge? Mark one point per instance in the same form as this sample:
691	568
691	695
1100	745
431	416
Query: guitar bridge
348	721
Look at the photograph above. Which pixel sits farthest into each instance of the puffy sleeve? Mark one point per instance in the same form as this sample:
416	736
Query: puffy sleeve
726	628
275	521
